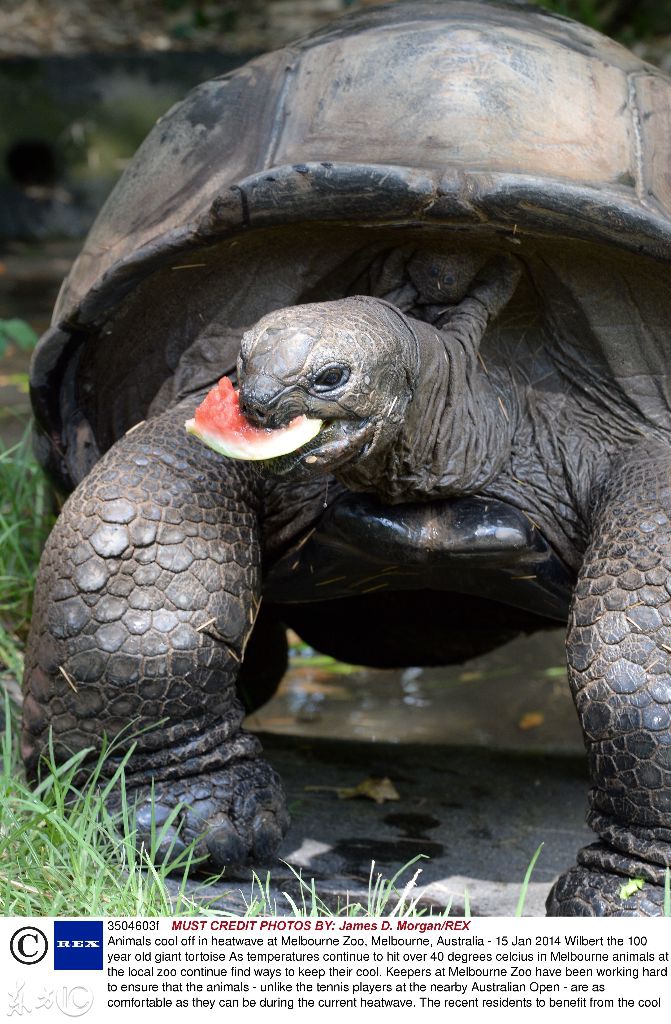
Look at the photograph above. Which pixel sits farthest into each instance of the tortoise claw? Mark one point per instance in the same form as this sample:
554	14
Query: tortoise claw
583	892
233	816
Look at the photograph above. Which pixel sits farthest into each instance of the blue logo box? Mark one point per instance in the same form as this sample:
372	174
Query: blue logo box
78	945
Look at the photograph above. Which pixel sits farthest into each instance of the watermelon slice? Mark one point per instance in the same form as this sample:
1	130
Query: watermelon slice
218	423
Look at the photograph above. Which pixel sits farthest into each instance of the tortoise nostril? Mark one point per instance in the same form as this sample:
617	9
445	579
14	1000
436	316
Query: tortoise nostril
253	411
259	395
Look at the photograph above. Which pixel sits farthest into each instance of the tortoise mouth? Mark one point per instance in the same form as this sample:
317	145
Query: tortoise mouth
339	441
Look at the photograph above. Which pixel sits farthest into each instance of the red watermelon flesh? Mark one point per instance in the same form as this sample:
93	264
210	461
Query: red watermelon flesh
220	424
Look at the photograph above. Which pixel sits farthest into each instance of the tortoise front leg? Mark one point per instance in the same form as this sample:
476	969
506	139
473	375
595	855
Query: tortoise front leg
147	594
619	656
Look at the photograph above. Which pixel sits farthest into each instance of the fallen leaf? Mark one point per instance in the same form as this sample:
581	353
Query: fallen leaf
378	790
531	720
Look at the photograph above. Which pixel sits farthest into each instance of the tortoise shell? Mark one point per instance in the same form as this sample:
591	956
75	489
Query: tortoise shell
313	171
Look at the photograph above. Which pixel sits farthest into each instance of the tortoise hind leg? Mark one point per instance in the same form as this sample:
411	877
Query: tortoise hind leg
147	593
619	655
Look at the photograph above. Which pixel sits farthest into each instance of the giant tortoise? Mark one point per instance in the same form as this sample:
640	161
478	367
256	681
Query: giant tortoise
443	229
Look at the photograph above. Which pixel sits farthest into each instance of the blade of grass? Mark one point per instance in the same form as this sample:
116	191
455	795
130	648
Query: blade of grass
519	910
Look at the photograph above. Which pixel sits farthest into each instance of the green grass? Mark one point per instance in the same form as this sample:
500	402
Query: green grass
26	516
386	897
62	852
519	909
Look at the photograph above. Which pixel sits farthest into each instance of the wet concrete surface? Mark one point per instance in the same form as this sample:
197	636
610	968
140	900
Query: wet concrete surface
475	817
487	761
513	698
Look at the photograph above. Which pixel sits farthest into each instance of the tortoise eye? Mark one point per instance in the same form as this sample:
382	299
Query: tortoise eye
330	377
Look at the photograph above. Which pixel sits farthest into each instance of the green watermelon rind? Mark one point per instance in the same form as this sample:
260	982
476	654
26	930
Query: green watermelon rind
270	445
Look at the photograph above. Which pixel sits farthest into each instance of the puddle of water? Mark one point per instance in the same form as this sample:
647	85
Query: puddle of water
515	698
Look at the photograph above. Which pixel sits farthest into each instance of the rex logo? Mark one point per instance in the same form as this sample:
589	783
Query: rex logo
78	945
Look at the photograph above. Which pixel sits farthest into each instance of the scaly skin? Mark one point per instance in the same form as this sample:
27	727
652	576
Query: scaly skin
147	593
619	646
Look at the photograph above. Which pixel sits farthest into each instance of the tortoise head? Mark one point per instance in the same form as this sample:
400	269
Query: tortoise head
351	363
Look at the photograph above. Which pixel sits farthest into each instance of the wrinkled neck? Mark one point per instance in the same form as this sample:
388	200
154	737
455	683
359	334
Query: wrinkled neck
457	429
